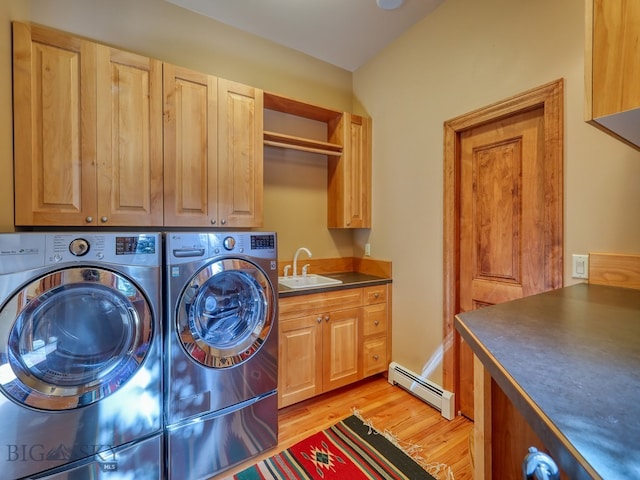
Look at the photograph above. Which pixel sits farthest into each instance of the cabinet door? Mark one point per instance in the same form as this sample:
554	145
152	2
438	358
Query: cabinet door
616	57
349	182
340	348
374	356
300	369
54	126
190	148
240	155
129	138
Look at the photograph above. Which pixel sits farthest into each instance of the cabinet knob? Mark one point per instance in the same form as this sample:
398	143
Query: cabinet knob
376	323
538	465
319	319
88	219
213	221
103	219
376	357
326	319
376	295
223	222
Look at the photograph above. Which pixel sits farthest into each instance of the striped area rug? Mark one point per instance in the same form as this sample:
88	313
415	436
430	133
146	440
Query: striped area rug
349	450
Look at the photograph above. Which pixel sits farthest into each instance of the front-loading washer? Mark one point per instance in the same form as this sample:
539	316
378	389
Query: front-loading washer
81	356
221	368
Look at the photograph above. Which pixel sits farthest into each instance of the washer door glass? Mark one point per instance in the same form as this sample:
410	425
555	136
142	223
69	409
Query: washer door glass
225	313
77	335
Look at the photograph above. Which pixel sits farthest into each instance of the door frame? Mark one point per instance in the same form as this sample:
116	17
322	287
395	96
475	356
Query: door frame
550	97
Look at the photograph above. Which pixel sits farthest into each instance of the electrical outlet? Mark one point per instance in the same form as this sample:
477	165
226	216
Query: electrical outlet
580	266
367	249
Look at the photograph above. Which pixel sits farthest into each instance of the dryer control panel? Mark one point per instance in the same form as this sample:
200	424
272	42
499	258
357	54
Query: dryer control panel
116	248
184	247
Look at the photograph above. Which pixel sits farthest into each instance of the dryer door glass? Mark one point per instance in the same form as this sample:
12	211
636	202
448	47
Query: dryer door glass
225	313
77	336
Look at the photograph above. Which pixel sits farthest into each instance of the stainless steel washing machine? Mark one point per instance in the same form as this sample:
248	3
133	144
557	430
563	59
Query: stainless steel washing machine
221	350
81	356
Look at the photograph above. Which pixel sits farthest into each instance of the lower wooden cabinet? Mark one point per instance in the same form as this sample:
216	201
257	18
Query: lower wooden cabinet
331	339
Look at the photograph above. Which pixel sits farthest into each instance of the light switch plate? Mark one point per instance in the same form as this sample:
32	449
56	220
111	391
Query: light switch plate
580	266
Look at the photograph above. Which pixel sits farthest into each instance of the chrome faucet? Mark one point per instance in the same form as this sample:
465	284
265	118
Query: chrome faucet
295	259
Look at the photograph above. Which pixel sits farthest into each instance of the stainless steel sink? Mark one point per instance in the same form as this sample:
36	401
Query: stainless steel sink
308	281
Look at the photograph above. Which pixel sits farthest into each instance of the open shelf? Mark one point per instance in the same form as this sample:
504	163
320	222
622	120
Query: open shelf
281	140
290	106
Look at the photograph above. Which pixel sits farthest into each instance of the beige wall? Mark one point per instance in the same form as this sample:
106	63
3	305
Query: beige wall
466	55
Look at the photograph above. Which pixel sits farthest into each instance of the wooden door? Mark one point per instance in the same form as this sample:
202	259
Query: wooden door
240	155
340	347
54	88
501	220
503	214
190	148
129	139
300	359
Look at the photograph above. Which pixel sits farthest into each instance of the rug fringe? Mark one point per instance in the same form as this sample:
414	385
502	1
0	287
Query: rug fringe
438	470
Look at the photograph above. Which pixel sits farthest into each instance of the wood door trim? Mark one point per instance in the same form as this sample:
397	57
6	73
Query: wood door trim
550	97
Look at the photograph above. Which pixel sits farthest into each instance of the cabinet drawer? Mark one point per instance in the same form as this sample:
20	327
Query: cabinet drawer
300	305
375	356
375	319
375	294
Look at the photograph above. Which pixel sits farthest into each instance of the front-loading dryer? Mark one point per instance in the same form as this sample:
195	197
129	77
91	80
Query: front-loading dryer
80	355
221	350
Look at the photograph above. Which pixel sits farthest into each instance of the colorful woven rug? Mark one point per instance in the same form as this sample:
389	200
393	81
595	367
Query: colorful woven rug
349	450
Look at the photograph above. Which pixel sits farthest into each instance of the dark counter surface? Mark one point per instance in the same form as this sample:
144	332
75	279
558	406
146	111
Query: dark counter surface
349	280
569	360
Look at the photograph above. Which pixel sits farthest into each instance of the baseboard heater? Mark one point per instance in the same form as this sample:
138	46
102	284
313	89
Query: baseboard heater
427	391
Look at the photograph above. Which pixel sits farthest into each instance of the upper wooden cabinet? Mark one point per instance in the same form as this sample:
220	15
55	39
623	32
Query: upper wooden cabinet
349	182
612	68
348	151
212	150
88	132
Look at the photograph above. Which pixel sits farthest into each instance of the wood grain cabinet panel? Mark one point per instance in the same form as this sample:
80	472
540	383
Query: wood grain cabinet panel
190	147
129	139
213	151
54	90
92	147
375	318
612	68
88	123
349	182
331	339
240	155
300	339
340	348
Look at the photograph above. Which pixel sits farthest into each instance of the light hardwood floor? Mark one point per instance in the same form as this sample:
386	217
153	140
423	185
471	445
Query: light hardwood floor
389	408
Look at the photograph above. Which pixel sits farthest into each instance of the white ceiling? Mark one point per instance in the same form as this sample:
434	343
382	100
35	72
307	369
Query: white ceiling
345	33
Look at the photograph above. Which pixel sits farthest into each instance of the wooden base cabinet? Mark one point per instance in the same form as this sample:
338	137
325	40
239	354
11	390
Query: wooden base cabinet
329	340
376	346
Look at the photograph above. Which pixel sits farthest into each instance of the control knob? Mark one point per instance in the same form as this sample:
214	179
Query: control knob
229	243
79	247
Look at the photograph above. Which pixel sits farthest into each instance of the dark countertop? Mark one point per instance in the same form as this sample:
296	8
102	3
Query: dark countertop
349	280
569	360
